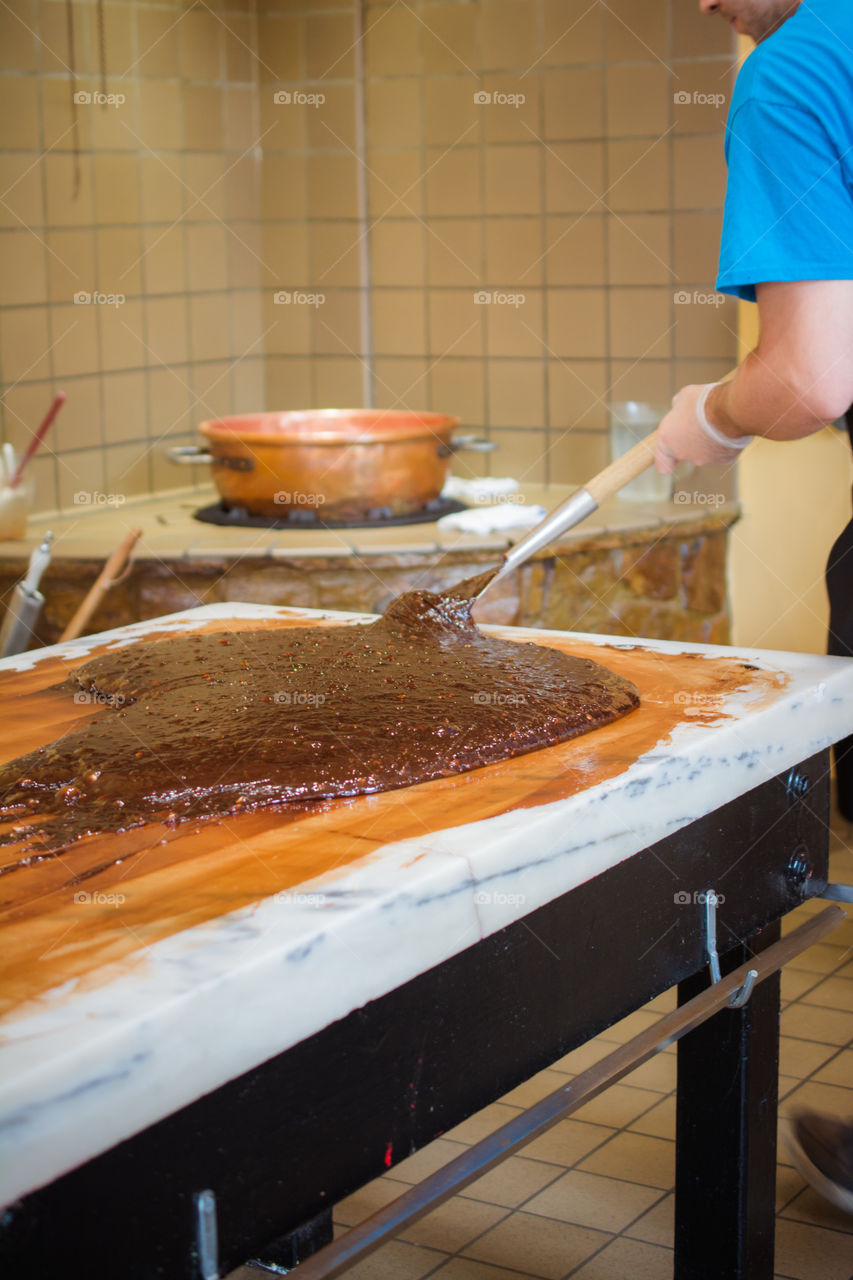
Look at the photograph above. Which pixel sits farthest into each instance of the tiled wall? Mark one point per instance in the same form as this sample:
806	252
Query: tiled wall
584	186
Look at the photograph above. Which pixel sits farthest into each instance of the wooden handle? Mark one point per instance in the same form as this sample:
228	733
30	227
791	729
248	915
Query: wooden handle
106	579
623	470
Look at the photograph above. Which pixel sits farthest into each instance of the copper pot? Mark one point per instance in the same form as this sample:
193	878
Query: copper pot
345	464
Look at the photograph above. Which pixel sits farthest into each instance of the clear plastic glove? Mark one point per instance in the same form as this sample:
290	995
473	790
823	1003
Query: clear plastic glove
686	435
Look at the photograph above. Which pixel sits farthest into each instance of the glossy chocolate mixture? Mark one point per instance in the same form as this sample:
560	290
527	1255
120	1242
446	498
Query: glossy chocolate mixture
210	725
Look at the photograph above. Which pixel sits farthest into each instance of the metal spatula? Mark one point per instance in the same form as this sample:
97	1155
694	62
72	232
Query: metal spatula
581	504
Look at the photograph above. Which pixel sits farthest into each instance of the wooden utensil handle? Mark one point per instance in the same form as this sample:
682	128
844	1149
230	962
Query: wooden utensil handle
622	470
106	579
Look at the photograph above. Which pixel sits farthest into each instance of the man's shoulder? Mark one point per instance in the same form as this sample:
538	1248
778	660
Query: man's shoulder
809	59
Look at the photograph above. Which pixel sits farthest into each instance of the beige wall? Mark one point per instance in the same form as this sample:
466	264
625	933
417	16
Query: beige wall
201	197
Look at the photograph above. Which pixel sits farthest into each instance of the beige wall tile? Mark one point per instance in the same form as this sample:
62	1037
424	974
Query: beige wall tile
159	115
513	179
395	184
21	181
455	323
576	325
394	113
639	249
454	251
515	330
508	36
64	207
336	327
514	252
80	473
116	188
699	171
127	469
453	181
205	186
167	327
285	254
520	453
19	129
332	123
338	383
399	324
397	252
458	387
164	261
703	329
331	186
119	35
695	34
512	115
636	29
121	336
328	46
210	385
638	173
647	381
283	124
638	100
573	103
516	393
451	114
24	407
574	177
57	116
70	263
289	326
288	383
114	127
207	249
75	338
572	32
245	255
392	40
161	187
449	39
242	188
209	331
240	60
708	89
203	126
575	456
158	32
249	385
240	107
284	189
334	254
118	257
576	394
201	40
168	401
281	46
125	416
246	314
23	270
19	39
400	384
696	241
575	253
641	323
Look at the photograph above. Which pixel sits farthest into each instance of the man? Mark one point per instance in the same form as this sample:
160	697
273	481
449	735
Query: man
787	244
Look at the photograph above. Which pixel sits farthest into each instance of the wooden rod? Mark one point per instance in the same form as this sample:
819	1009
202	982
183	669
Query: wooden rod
111	571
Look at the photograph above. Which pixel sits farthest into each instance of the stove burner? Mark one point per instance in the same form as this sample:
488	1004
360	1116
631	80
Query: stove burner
306	518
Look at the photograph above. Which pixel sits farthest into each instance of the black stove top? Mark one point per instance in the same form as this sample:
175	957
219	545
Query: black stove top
309	518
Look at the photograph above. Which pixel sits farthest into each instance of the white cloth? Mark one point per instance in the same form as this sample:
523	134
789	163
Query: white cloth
509	515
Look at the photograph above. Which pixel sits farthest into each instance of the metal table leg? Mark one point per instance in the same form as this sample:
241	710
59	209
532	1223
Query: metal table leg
728	1076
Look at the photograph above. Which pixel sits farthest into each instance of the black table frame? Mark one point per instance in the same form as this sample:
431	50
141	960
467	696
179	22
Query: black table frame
281	1144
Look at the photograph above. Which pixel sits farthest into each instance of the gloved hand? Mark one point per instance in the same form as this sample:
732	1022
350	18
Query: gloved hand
686	435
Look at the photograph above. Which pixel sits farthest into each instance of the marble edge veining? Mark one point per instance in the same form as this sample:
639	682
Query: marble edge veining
153	1036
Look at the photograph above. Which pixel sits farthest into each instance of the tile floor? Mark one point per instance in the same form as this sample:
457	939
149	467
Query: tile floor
592	1199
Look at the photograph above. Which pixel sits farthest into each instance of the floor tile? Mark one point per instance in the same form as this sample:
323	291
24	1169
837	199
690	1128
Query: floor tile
808	1206
395	1261
368	1199
820	1097
659	1122
796	983
824	957
454	1224
484	1122
617	1106
832	993
604	1203
511	1182
658	1225
808	1022
648	1161
838	1070
622	1032
801	1057
658	1073
586	1055
534	1089
459	1268
789	1183
628	1260
427	1160
811	1253
568	1142
540	1245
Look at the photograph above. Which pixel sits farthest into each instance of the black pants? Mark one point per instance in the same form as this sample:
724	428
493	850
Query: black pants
839	585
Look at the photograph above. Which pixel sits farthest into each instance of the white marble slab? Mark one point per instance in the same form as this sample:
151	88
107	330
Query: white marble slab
82	1069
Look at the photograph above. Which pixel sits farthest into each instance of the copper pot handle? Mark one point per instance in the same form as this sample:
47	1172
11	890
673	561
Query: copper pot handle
475	443
187	455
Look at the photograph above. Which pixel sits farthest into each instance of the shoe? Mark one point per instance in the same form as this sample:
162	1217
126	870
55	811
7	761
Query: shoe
822	1150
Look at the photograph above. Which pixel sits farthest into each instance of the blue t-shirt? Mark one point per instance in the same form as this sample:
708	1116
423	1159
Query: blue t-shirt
789	148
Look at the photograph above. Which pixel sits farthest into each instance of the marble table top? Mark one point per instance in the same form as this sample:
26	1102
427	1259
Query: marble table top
95	1059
